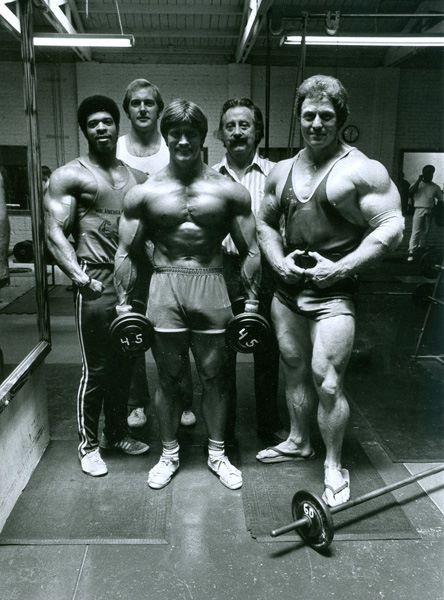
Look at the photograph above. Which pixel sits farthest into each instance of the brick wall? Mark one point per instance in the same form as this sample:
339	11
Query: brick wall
387	105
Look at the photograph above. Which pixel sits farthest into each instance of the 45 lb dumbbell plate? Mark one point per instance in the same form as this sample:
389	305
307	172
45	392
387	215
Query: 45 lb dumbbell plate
131	333
248	332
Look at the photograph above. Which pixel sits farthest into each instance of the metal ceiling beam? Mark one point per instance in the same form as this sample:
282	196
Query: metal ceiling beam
255	11
203	8
394	56
61	22
187	33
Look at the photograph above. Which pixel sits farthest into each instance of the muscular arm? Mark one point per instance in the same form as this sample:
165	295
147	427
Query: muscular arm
4	235
131	252
269	230
60	206
243	233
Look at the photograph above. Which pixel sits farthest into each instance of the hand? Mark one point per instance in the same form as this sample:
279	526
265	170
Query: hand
324	273
251	305
122	309
288	269
92	290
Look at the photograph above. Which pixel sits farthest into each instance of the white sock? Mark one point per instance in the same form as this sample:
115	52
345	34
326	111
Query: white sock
171	450
215	449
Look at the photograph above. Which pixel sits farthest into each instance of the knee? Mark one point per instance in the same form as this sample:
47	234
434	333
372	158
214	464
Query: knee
326	381
293	359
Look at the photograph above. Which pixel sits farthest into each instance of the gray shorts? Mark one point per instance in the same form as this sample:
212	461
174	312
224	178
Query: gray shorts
183	300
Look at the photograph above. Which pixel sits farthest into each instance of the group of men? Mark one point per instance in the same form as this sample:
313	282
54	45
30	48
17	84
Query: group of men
176	239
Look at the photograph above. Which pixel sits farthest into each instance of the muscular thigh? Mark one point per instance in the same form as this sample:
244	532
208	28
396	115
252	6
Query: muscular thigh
332	340
170	351
292	333
210	353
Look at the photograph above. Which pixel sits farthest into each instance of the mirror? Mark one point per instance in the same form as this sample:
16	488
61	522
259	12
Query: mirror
24	318
18	305
412	162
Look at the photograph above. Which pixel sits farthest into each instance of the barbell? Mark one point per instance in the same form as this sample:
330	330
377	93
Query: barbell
314	519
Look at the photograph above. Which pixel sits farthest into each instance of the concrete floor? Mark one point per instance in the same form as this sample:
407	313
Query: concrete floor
211	555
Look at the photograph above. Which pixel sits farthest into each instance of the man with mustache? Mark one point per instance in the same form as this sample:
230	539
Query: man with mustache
241	128
84	198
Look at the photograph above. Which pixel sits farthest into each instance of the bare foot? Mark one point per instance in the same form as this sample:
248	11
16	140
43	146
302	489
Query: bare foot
337	486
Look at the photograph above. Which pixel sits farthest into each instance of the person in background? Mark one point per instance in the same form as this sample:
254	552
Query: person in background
342	212
85	198
186	210
46	174
424	194
241	128
144	148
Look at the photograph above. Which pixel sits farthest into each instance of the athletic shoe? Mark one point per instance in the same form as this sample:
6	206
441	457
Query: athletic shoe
188	418
160	475
227	473
137	417
410	258
93	464
127	444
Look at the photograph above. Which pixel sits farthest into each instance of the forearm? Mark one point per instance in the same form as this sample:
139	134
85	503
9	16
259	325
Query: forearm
251	273
271	244
65	257
125	277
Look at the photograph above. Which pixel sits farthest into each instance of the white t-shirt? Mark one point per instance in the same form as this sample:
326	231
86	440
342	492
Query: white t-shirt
146	164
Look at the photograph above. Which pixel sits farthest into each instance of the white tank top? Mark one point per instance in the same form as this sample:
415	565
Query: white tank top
146	164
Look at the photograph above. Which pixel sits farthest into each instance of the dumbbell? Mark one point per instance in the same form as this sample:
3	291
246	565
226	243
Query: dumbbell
247	332
23	251
131	333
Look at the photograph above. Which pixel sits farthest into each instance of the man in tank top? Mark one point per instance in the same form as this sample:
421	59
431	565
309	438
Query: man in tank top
342	212
84	198
143	148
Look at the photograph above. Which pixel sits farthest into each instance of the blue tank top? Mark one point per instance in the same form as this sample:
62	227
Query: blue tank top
315	224
96	232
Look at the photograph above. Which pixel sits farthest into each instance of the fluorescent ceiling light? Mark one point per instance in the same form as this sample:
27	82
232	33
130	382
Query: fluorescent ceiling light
96	40
9	16
349	40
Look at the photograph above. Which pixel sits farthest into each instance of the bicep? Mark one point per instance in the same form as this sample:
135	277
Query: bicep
270	210
60	209
377	195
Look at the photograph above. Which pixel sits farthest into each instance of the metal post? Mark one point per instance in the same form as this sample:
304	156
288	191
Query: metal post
34	166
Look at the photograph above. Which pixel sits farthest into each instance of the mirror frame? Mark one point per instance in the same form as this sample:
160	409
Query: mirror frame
10	386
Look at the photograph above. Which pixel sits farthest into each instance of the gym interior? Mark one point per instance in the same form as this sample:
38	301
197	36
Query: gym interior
65	536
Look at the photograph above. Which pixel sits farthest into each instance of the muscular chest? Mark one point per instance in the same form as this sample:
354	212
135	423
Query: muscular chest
201	205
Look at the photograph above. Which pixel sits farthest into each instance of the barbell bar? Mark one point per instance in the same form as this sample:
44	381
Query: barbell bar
313	518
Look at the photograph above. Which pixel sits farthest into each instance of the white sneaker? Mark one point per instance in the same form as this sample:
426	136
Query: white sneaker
188	418
127	444
93	464
227	473
160	475
137	417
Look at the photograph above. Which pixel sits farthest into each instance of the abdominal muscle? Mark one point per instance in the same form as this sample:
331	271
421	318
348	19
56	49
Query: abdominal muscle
188	246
